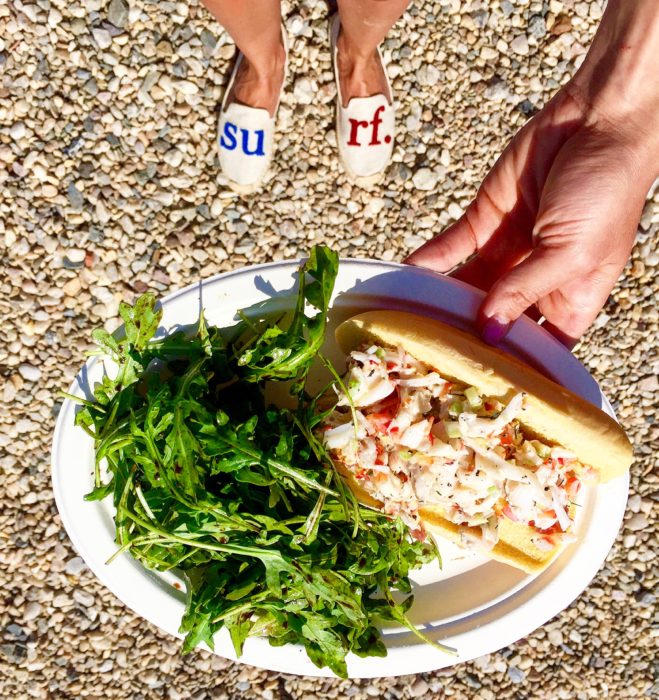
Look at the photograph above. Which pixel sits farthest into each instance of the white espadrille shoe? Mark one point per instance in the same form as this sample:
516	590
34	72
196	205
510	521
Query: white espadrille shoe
365	127
246	136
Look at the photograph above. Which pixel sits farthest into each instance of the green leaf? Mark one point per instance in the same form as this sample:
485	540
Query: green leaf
106	341
196	624
204	336
239	627
183	448
276	353
239	592
141	321
324	646
100	492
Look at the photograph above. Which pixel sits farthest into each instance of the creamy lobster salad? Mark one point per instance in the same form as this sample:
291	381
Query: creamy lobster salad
413	439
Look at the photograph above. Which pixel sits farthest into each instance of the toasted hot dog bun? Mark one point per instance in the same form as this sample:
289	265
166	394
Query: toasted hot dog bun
552	414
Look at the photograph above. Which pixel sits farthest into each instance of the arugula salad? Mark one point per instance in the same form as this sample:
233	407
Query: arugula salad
238	497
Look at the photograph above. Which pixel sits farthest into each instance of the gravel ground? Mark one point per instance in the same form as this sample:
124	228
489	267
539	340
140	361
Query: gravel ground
110	187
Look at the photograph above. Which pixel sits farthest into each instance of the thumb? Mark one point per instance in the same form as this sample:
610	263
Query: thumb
545	270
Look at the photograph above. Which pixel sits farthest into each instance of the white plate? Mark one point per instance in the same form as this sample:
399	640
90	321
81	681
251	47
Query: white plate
473	604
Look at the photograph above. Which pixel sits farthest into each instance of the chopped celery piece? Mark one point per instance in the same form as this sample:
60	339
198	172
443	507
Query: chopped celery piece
452	428
473	397
405	454
543	451
455	409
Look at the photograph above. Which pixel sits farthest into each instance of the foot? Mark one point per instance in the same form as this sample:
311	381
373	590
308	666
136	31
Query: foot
260	86
360	76
246	124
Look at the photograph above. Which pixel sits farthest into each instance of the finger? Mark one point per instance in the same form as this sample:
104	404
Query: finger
594	195
482	270
446	250
489	212
507	247
545	270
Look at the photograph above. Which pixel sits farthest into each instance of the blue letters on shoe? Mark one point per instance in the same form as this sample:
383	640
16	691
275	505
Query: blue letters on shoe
260	134
229	141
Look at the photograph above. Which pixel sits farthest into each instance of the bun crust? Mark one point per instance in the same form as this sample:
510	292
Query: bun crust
552	413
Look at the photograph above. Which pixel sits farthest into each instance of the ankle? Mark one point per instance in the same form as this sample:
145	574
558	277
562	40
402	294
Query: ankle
268	63
350	53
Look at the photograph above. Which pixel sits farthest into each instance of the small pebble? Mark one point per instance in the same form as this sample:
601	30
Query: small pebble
17	632
497	91
74	566
208	40
649	384
425	179
102	37
537	26
106	666
520	45
75	197
637	522
305	90
507	8
555	637
29	372
17	131
419	689
32	610
118	13
454	210
84	598
428	75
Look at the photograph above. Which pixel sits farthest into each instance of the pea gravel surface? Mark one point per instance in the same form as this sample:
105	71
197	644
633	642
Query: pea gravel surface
110	186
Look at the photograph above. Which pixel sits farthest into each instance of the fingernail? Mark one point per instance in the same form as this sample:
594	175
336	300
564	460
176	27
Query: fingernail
494	329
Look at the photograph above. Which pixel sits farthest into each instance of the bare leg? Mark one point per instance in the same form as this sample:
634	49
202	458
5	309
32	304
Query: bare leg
364	24
255	26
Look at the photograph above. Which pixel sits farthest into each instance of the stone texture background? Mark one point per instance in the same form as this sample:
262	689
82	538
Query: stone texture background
109	186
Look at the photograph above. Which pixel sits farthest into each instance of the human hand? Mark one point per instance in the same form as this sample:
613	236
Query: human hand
554	221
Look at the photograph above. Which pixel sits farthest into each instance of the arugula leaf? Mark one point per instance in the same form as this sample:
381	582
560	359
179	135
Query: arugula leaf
140	321
275	353
182	448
